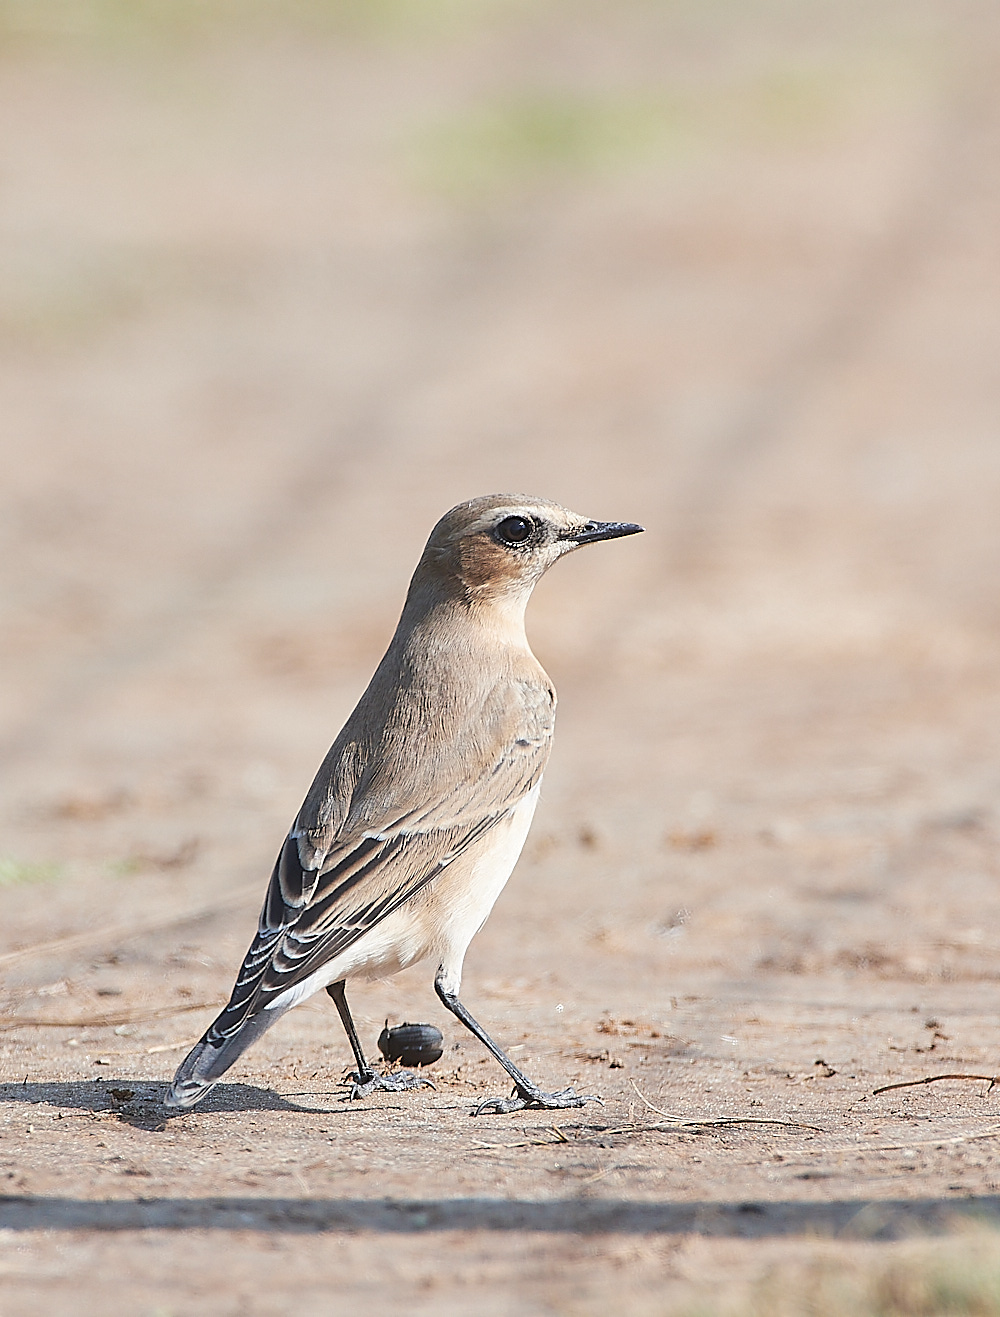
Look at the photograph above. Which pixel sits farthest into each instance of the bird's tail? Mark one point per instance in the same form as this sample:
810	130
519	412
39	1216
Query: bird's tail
210	1058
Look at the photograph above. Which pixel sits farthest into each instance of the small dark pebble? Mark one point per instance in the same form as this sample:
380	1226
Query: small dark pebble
411	1044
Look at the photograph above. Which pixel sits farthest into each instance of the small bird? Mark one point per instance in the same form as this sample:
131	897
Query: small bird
417	815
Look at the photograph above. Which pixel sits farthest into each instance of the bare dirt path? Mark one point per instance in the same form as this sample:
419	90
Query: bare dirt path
275	294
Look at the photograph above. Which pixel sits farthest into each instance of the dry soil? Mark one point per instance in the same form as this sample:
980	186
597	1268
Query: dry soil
280	284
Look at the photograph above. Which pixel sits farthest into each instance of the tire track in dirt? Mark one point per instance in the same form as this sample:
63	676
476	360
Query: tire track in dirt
959	157
960	153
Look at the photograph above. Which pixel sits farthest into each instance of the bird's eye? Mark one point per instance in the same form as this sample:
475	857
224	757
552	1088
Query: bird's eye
514	530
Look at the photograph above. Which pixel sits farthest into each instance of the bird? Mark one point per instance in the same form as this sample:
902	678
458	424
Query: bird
418	813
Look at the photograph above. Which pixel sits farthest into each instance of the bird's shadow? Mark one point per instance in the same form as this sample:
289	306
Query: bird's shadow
140	1103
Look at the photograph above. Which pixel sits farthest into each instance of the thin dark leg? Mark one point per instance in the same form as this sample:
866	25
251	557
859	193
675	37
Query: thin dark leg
366	1080
338	991
526	1093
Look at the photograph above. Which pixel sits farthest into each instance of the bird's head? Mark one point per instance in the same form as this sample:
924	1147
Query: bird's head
494	549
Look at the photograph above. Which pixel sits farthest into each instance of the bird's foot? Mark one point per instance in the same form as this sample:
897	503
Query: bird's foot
396	1081
533	1098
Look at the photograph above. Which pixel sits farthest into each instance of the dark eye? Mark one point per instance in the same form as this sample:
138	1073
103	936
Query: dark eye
514	530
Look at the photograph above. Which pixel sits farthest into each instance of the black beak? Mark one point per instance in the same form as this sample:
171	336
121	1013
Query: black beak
603	530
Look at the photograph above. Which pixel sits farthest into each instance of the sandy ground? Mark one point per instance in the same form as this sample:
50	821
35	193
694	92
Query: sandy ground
277	288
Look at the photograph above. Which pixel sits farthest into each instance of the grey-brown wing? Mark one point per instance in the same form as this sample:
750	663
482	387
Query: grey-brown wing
323	897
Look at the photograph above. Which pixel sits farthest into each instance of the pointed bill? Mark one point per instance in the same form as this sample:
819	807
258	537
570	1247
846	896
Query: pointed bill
604	530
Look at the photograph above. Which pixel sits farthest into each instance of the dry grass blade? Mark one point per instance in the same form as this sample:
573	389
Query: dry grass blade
945	1142
560	1137
732	1121
599	1175
682	1123
149	1051
932	1079
171	1047
707	1126
659	1110
107	1021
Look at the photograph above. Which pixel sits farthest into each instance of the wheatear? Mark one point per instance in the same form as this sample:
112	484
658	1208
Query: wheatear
419	812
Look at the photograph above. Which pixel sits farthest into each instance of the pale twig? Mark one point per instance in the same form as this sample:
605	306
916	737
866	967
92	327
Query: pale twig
591	1179
729	1121
107	1021
526	1143
170	1047
812	1155
933	1079
123	931
706	1126
506	1147
147	1051
948	1141
659	1111
680	1123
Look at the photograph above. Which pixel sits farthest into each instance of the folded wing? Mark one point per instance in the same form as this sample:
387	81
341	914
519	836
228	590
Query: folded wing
336	880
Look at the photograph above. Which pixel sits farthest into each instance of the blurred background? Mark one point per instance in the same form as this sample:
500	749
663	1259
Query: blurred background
282	282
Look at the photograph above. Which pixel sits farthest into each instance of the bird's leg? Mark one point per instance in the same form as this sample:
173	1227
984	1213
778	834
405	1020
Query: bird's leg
526	1093
365	1080
338	991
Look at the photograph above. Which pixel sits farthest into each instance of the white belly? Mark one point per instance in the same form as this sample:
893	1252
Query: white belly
444	928
470	907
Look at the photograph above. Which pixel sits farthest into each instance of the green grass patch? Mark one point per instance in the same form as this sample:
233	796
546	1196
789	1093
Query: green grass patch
14	873
111	22
932	1278
537	135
